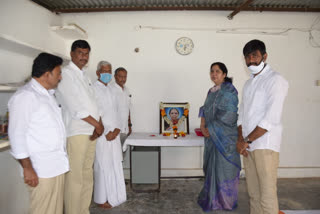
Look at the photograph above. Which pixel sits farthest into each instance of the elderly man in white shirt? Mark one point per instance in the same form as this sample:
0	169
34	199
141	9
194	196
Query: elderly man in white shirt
80	113
260	129
123	97
109	185
37	136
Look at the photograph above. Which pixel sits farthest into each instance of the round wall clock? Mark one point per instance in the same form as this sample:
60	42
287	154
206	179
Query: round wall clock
184	45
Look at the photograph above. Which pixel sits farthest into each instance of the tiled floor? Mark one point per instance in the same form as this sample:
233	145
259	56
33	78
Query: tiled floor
179	197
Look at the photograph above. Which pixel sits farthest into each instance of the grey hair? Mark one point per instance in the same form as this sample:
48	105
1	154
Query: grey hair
102	63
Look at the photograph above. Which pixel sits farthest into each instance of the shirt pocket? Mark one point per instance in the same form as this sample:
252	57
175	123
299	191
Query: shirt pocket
259	100
45	128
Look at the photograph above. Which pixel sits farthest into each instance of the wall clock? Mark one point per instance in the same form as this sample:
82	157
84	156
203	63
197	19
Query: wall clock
184	45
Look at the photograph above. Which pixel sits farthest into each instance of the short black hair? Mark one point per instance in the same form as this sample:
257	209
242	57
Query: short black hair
45	62
224	70
254	45
80	44
119	69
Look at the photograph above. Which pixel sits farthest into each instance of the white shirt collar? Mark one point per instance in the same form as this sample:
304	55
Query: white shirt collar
38	87
75	67
101	84
118	86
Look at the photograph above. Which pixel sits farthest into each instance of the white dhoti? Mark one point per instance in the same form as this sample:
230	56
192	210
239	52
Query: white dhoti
109	184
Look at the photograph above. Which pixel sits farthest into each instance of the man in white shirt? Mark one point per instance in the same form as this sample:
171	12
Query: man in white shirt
260	129
80	113
123	97
37	136
109	185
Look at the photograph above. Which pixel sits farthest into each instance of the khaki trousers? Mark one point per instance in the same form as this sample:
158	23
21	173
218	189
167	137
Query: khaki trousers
47	196
79	180
261	177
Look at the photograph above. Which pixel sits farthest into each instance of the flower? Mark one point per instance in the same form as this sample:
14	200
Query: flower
175	128
182	134
166	134
186	112
163	112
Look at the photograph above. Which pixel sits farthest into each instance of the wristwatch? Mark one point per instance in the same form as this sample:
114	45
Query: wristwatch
246	139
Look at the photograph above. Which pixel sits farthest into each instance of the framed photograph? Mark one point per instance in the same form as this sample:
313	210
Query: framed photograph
174	116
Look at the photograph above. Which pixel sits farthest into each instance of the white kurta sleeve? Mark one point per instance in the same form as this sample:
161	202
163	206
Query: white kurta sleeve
20	109
239	122
69	93
276	95
106	106
110	116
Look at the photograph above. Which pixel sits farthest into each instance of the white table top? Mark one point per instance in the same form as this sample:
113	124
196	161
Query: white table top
4	143
156	139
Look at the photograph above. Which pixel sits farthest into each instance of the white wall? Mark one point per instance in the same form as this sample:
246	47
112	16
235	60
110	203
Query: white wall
21	22
157	73
25	22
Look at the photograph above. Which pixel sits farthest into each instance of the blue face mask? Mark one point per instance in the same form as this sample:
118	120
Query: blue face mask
105	77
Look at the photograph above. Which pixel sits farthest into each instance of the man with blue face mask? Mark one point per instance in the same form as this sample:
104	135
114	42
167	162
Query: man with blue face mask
109	185
260	129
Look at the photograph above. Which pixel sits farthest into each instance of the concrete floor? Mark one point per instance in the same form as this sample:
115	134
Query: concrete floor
179	197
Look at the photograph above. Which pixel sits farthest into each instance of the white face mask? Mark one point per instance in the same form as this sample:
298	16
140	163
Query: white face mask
254	69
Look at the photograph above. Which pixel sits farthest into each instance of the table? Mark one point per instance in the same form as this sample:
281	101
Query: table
158	140
4	143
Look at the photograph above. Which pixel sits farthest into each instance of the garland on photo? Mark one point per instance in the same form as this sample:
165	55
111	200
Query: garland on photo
175	133
181	119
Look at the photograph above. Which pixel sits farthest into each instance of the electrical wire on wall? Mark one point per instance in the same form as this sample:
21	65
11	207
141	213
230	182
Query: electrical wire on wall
312	41
256	31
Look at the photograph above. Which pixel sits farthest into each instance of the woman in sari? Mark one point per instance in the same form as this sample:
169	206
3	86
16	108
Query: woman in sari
221	163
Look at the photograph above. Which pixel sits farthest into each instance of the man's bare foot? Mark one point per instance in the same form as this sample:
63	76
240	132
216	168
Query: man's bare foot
105	206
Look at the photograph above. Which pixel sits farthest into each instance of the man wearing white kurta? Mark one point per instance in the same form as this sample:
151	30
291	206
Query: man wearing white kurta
123	97
109	185
37	136
260	129
80	113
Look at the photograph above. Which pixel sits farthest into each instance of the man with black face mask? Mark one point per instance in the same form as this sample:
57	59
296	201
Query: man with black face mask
260	129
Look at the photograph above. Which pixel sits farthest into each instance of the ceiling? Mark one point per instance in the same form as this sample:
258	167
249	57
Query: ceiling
76	6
